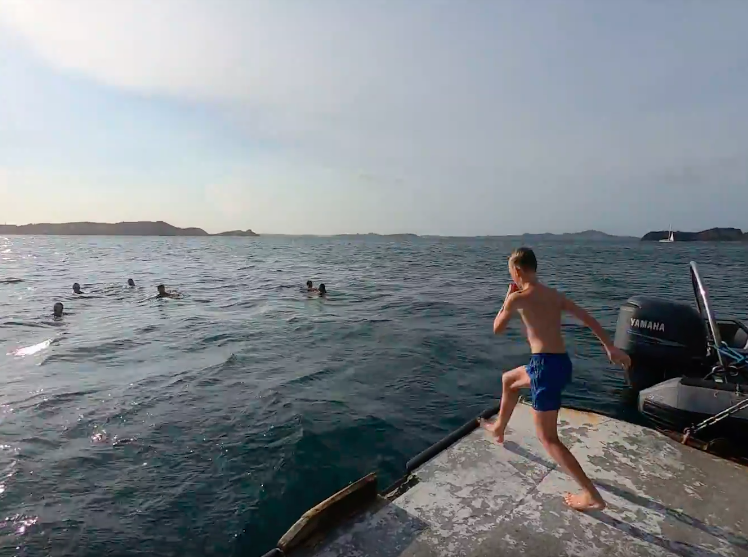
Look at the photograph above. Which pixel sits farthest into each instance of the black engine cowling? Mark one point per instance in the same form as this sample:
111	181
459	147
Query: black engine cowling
664	339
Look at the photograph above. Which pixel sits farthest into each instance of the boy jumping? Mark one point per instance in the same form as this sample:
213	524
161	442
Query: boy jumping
549	370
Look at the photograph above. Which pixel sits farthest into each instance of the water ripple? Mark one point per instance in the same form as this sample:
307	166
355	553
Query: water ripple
207	425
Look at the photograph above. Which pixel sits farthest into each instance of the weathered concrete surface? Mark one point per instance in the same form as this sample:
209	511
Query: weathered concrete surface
481	499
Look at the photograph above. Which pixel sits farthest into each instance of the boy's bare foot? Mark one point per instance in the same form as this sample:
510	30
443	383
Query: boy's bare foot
493	429
584	501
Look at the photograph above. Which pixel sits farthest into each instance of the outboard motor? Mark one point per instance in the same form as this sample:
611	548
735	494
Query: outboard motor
664	340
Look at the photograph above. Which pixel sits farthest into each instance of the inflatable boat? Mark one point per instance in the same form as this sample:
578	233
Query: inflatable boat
667	339
690	369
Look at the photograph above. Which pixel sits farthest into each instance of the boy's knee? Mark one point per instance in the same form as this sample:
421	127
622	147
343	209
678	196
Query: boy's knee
547	439
507	382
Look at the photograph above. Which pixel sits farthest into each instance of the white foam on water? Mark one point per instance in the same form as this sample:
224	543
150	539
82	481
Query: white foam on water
29	350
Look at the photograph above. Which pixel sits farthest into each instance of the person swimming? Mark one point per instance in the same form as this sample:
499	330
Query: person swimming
322	290
130	282
162	293
310	287
57	310
77	288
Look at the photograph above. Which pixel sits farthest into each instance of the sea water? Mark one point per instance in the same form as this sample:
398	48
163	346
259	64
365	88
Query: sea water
206	425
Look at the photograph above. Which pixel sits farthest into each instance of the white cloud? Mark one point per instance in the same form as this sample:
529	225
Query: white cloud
451	101
411	83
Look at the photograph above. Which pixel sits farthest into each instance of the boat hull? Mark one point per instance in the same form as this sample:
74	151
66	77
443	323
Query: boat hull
672	419
642	377
677	404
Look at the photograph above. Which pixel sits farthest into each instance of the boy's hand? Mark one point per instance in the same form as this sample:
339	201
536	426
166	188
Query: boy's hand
512	289
618	356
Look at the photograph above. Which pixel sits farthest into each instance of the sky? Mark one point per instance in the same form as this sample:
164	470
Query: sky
426	116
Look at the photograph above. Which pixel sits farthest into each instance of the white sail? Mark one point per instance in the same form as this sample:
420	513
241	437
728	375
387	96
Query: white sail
670	237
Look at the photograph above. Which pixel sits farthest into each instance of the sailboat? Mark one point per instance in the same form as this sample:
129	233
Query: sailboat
671	236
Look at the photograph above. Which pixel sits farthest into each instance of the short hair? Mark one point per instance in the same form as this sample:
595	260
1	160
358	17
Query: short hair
524	258
309	283
160	286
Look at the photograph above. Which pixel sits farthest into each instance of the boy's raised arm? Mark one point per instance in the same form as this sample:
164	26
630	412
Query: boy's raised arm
505	313
588	320
614	353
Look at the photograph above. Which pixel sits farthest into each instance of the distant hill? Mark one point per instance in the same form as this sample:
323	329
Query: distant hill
141	228
590	235
586	235
711	235
593	235
237	233
373	235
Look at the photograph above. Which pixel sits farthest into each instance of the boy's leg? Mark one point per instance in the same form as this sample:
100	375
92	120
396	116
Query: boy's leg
511	382
546	427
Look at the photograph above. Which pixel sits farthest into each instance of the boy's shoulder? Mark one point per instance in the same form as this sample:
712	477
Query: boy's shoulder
546	288
538	293
544	293
528	294
538	288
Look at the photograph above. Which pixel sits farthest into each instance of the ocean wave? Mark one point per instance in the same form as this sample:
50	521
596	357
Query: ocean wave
212	423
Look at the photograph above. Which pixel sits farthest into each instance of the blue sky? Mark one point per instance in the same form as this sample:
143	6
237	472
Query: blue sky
427	116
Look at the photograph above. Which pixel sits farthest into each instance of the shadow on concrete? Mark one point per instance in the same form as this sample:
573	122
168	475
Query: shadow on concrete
678	548
524	453
735	540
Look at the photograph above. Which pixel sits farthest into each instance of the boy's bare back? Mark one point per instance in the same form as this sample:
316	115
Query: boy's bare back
540	308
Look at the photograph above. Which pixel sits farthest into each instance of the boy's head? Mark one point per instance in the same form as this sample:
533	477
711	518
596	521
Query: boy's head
161	289
522	266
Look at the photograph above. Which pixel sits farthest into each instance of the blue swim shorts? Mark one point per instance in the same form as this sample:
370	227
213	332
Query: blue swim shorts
549	374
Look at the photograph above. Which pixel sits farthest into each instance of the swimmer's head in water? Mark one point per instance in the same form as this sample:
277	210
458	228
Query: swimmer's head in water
522	265
57	310
309	284
322	289
161	289
76	288
130	282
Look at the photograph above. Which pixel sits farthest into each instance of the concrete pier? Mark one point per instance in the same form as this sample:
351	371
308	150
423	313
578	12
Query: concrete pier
480	499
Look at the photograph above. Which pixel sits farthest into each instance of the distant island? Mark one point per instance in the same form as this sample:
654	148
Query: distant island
236	233
161	228
585	235
373	235
590	235
142	228
711	235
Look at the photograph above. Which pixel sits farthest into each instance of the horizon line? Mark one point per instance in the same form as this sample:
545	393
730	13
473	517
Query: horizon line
316	235
328	235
